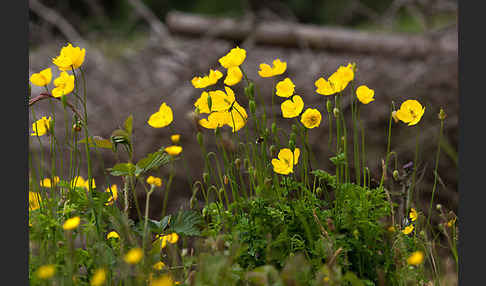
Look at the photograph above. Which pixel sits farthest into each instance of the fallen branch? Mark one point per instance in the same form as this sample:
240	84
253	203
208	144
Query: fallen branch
317	37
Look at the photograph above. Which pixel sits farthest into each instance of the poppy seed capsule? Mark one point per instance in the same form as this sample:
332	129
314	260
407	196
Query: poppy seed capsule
395	175
442	114
292	145
336	112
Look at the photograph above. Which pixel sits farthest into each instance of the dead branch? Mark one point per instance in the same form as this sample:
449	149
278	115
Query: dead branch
291	34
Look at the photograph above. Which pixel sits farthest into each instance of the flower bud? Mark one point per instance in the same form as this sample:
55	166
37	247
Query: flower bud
442	114
246	163
192	202
267	181
205	177
329	106
199	137
319	191
336	112
293	136
292	145
77	127
273	150
394	115
249	90
395	175
225	180
274	128
237	163
252	106
438	207
295	129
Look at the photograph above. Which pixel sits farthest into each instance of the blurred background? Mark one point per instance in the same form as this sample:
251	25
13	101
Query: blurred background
141	53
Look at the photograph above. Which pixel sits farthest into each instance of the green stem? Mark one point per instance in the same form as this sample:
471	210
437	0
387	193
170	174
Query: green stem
415	163
435	170
387	151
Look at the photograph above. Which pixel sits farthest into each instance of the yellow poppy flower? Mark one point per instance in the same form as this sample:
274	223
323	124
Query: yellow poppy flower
112	234
165	280
70	57
391	228
79	181
64	84
133	256
408	229
365	94
234	76
173	150
170	238
46	271
208	80
234	58
161	118
175	138
410	112
41	78
337	82
46	182
114	194
278	68
286	160
223	109
285	88
292	107
34	201
413	214
99	277
159	265
151	180
311	118
451	222
415	258
41	126
71	223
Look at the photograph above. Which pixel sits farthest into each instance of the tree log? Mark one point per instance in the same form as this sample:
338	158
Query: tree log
334	39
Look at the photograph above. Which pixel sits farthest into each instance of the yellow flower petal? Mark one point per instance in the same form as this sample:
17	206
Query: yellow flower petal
208	80
42	78
112	234
173	150
99	277
114	194
71	223
161	118
408	229
70	57
159	265
415	258
46	182
285	88
133	256
41	126
286	160
278	68
234	76
311	118
151	180
413	214
292	107
175	138
234	58
34	201
410	112
365	94
64	85
46	271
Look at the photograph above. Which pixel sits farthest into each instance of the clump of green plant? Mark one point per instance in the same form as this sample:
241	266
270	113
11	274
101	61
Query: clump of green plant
268	217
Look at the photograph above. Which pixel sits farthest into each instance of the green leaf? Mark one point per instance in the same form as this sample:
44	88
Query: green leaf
186	223
122	169
339	159
97	141
152	161
129	125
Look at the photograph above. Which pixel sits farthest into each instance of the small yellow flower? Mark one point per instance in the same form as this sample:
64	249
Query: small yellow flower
277	69
292	107
173	150
170	238
234	76
151	180
413	214
46	271
416	258
64	84
410	112
286	160
285	88
41	126
234	58
311	118
46	182
337	82
391	228
408	229
99	277
165	280
161	118
71	223
451	222
159	265
114	194
208	80
42	78
34	201
80	182
112	234
133	256
175	138
365	94
70	57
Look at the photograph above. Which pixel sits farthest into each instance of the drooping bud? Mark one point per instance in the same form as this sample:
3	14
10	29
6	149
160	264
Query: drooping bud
293	136
273	150
205	177
319	191
292	145
274	128
395	175
267	181
237	163
295	129
249	90
329	106
192	202
225	180
252	106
